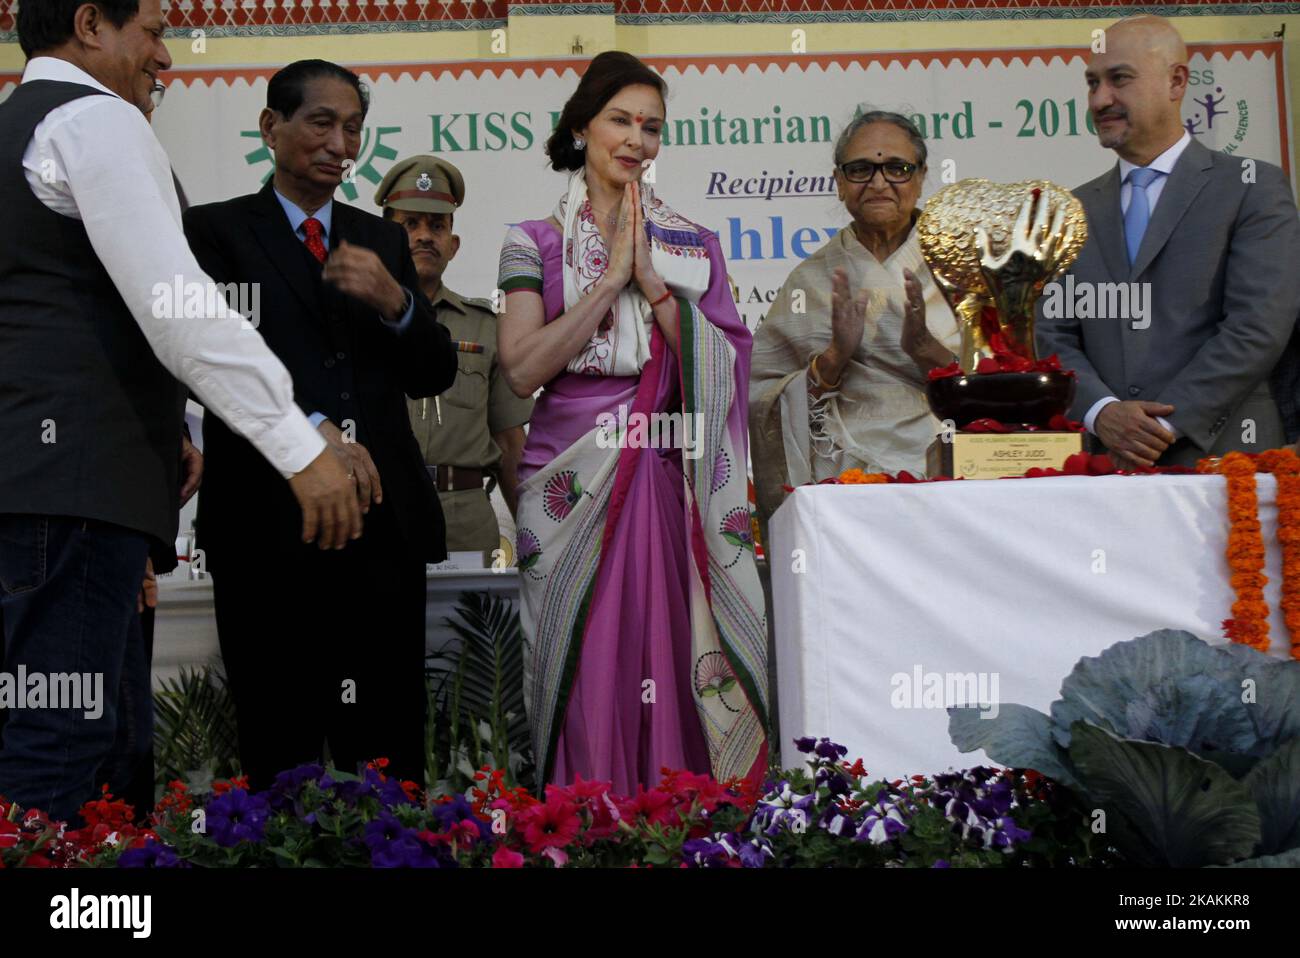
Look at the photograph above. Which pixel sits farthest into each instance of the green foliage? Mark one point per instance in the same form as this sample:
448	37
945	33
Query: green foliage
1189	752
476	698
195	737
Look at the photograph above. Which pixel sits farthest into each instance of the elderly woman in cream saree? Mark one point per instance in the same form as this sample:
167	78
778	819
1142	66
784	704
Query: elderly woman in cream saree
838	380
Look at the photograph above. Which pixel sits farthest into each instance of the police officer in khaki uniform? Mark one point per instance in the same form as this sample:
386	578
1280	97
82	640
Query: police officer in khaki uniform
472	433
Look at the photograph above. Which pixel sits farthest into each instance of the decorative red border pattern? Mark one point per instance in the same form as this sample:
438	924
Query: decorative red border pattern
183	14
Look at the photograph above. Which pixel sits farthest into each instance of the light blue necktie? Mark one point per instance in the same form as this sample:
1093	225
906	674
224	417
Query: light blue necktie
1138	214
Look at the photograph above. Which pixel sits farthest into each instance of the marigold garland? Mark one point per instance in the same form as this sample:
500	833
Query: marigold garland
856	477
1249	622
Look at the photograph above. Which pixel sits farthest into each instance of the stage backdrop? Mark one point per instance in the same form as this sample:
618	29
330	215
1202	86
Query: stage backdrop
749	139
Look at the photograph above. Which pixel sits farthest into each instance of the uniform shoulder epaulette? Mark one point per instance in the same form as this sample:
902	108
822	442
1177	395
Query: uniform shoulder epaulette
483	304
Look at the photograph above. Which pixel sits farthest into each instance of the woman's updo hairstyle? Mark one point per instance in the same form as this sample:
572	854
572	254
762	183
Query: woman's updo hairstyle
606	75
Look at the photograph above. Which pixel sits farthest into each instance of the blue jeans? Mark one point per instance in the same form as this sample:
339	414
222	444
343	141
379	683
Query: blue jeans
68	592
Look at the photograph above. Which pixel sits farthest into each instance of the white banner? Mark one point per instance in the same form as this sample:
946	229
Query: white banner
748	144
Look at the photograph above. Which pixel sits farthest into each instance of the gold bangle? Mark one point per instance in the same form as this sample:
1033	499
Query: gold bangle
817	378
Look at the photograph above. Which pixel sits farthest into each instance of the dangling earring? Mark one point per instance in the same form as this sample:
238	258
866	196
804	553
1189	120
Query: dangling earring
579	143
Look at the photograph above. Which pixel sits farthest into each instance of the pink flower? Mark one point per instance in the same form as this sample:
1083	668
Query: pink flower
557	855
505	858
561	493
604	818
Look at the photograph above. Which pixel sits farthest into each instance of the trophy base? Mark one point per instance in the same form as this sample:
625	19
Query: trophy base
972	455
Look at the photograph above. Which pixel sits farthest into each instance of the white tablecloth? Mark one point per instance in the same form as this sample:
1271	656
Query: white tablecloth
1002	577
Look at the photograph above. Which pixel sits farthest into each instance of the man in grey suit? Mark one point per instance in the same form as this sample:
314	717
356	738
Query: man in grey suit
1207	248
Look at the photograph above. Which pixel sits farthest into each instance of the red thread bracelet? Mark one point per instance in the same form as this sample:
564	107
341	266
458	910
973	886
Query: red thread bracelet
668	294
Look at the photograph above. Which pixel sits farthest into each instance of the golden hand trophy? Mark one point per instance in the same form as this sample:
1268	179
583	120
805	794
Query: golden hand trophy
992	249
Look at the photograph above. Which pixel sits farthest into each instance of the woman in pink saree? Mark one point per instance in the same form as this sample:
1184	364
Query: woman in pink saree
646	641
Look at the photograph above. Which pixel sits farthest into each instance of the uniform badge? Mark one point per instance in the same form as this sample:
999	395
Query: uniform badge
425	183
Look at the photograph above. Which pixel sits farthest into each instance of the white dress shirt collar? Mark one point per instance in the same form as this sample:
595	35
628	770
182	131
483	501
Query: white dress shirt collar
1163	163
65	71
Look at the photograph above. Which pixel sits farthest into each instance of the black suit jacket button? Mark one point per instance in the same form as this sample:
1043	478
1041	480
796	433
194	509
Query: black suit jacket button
345	396
340	355
1134	390
329	364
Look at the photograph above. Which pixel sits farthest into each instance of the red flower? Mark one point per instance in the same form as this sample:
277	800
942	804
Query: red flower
855	769
220	787
952	369
987	425
550	825
1076	464
1062	423
106	811
584	790
656	807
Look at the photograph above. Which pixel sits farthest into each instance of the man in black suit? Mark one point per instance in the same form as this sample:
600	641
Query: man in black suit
324	645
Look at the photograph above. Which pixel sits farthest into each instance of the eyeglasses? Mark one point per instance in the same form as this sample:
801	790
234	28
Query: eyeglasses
861	171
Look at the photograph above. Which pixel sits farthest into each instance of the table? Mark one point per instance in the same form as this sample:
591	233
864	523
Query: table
882	590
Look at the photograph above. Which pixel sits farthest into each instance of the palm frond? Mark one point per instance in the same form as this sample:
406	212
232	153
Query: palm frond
477	692
194	726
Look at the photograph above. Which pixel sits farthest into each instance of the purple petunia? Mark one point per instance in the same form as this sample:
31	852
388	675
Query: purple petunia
829	750
393	845
705	853
755	853
291	781
784	809
237	817
288	785
881	823
458	810
152	854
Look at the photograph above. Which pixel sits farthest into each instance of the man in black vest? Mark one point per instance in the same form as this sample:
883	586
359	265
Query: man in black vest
90	406
324	646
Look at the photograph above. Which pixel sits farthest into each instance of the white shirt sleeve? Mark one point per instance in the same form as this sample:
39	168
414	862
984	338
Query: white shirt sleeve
1090	418
121	182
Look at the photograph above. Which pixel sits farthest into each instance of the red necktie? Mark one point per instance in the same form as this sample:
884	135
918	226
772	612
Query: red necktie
314	230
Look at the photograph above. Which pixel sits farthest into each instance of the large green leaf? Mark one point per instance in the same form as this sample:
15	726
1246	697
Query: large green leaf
1185	811
1270	689
1018	737
1166	686
1289	859
1275	785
